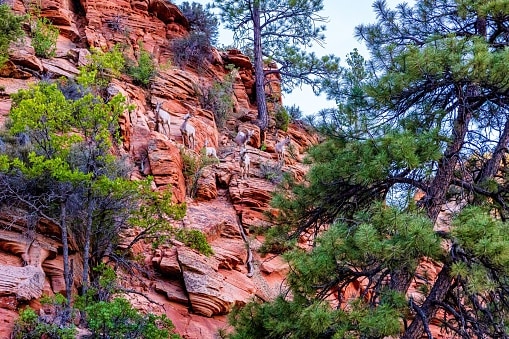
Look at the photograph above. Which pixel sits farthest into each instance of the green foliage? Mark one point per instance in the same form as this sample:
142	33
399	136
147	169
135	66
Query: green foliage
110	316
378	242
47	116
484	240
192	169
194	239
145	69
219	98
152	216
102	67
280	319
282	118
282	40
44	37
30	326
118	319
10	30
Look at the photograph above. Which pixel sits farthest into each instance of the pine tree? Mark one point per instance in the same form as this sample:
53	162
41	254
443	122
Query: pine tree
279	31
427	112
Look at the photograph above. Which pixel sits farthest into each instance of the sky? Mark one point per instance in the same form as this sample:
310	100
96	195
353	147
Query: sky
343	16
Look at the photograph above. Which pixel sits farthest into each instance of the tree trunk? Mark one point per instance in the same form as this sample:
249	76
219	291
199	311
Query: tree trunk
429	308
86	246
436	197
65	251
261	101
436	194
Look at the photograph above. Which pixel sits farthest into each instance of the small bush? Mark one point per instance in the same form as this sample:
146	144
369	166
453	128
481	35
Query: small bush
201	20
114	317
31	326
44	38
273	173
10	30
194	239
192	49
192	169
145	70
282	119
102	67
219	98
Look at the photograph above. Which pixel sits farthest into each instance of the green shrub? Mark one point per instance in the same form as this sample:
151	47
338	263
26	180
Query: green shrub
192	169
195	240
219	98
282	118
114	317
273	173
10	30
118	319
145	70
31	326
102	67
44	38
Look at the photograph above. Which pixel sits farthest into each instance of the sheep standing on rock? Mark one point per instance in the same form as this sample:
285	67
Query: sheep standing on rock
245	163
188	132
280	149
163	119
210	151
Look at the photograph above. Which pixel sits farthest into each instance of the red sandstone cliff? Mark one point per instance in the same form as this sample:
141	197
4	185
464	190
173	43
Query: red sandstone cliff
195	291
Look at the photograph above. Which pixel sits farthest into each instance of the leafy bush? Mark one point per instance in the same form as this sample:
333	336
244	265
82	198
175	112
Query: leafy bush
31	326
10	30
282	118
194	239
102	67
219	98
44	38
145	70
192	169
114	317
118	319
273	173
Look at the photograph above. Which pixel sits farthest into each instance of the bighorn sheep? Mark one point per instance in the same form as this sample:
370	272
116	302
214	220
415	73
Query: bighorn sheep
242	137
163	119
210	151
245	163
280	149
188	132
